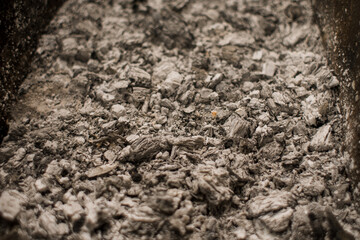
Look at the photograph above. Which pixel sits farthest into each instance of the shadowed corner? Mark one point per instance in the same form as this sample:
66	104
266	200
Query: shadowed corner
338	21
21	23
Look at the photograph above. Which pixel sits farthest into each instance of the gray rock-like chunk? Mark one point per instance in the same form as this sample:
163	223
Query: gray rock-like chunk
9	206
266	91
106	98
280	98
87	27
139	77
236	126
171	84
132	138
120	85
161	71
269	69
240	39
83	54
165	102
206	95
110	155
63	114
213	183
193	142
48	222
146	147
55	168
51	146
312	186
177	5
273	202
102	49
334	82
295	37
200	61
118	110
248	86
215	80
72	210
279	221
114	55
69	47
18	156
257	56
311	115
321	141
341	194
271	151
41	185
132	39
165	204
139	95
94	66
301	92
264	135
101	170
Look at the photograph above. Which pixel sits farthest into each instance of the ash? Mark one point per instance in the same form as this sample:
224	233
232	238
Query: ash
178	119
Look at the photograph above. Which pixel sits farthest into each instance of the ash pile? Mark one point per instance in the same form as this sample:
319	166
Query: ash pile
177	119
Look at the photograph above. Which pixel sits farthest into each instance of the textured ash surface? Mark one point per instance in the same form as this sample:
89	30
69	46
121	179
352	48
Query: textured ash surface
178	120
